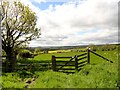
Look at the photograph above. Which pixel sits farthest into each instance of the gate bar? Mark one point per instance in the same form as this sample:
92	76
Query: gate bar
101	56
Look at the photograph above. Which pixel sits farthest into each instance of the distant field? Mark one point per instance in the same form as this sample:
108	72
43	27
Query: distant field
43	57
59	51
98	74
112	55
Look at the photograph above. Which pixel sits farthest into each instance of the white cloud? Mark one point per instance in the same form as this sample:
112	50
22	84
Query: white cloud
65	24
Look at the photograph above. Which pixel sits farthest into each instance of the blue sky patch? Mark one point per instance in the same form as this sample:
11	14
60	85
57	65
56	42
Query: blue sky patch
88	31
45	5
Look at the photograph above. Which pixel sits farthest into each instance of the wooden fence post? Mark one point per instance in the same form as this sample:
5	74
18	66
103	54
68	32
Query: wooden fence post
53	63
88	57
76	64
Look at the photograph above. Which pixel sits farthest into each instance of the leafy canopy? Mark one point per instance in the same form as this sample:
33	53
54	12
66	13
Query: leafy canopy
18	24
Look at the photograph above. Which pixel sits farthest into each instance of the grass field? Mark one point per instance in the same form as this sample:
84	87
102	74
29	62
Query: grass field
98	74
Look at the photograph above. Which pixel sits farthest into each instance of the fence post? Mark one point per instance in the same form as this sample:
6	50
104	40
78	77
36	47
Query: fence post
76	64
88	57
53	63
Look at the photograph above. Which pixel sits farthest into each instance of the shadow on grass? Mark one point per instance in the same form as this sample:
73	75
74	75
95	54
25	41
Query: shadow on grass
34	65
29	67
23	61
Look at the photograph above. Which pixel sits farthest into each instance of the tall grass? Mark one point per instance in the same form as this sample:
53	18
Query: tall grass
99	74
12	80
92	76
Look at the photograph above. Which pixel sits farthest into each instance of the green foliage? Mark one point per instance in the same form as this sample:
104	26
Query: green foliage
3	53
20	22
106	47
25	74
12	80
37	51
93	47
25	54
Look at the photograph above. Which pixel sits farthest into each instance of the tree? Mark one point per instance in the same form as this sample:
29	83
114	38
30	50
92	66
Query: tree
93	47
108	47
24	53
18	27
37	50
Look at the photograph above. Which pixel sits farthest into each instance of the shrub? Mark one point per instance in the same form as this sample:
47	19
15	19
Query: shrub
25	54
3	53
37	51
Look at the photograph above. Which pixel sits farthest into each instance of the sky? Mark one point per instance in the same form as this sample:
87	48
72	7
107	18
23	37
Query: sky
75	22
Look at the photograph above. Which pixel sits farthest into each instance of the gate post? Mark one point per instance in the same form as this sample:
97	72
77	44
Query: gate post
88	56
53	63
76	64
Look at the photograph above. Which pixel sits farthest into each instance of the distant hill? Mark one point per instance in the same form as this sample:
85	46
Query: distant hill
58	47
42	48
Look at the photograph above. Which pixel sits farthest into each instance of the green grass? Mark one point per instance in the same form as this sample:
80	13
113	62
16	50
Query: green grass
98	74
48	56
111	55
89	77
12	80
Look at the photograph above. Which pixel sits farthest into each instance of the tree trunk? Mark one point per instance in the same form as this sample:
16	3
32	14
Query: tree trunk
10	60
